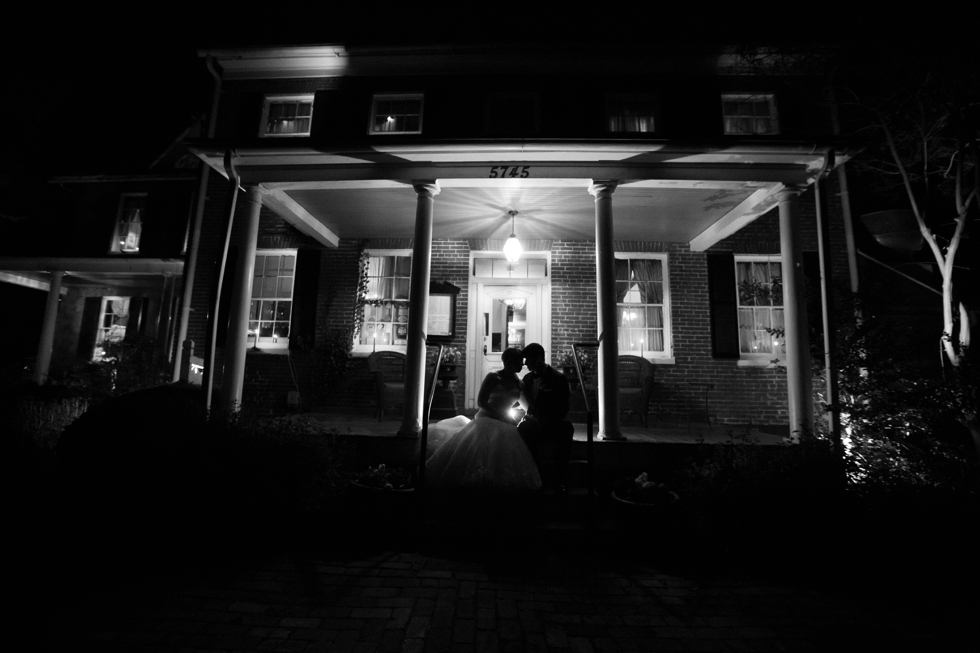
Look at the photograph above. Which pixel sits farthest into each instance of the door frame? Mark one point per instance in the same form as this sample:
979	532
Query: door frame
474	333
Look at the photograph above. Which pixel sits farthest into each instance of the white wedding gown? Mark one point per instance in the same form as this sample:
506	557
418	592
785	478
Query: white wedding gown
485	454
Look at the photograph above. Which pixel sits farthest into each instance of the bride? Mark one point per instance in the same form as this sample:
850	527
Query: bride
486	453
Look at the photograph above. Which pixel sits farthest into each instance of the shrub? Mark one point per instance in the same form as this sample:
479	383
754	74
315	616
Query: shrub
151	468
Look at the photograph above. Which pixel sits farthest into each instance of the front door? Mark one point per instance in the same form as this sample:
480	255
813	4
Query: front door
507	316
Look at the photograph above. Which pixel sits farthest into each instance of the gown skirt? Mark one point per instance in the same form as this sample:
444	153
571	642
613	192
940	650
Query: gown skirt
482	455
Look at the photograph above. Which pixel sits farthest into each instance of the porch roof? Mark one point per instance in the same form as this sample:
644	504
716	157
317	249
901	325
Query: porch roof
696	193
36	271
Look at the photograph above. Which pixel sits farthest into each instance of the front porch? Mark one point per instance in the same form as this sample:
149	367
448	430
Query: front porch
661	450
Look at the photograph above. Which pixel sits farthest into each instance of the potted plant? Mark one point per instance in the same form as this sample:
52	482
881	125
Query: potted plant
641	491
565	359
385	479
451	357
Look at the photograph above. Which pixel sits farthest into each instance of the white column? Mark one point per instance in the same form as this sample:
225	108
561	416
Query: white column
418	313
799	381
241	296
42	363
608	363
163	329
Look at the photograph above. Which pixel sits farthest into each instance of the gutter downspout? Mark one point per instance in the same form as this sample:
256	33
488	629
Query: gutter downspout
827	304
190	270
845	199
213	341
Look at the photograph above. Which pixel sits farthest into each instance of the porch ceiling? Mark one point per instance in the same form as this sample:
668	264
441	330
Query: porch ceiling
678	213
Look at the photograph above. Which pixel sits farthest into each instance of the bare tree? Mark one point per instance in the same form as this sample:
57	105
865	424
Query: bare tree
920	111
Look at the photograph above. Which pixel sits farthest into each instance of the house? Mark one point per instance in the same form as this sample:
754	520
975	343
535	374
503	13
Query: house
96	261
663	201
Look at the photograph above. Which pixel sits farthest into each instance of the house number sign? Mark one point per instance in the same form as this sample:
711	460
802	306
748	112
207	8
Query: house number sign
510	171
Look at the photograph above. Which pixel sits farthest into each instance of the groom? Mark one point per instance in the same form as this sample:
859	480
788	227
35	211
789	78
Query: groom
545	401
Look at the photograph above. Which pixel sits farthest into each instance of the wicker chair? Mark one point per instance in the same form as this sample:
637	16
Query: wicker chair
636	375
388	370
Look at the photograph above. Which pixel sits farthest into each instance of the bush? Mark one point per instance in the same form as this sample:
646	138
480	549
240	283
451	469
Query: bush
151	469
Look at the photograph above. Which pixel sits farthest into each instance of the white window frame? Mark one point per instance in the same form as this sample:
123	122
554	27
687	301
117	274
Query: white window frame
666	356
778	355
117	245
395	96
284	99
253	339
631	99
113	333
769	98
372	346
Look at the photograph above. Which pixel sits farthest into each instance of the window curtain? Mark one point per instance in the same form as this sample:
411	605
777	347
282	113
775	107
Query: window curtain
381	272
649	274
622	278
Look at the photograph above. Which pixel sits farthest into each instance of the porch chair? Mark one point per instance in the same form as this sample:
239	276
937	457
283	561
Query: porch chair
636	376
388	370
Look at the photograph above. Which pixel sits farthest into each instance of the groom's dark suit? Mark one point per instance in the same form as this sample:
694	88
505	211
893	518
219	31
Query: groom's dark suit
545	423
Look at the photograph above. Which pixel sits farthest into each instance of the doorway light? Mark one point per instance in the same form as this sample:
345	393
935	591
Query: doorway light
512	248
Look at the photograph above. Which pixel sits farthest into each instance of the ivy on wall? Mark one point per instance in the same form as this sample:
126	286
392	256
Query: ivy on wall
362	286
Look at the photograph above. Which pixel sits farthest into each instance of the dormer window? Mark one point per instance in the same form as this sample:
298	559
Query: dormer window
396	114
129	224
630	113
747	114
287	115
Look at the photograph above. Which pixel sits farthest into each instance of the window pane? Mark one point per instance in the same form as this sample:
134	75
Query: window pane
401	288
652	316
285	287
403	266
268	310
269	285
282	310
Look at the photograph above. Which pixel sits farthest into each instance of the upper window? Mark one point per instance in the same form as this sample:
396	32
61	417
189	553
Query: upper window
287	115
129	223
630	113
642	304
113	319
272	299
388	277
750	114
761	330
396	114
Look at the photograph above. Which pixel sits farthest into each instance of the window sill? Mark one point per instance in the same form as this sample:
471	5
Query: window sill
278	351
363	351
760	362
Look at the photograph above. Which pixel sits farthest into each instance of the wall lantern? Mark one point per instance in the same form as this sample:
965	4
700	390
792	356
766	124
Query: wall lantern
512	248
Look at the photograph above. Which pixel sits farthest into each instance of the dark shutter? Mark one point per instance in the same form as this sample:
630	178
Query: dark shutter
250	115
302	327
167	212
86	332
723	304
138	307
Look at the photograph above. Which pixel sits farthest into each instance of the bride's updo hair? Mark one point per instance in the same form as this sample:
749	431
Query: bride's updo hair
512	353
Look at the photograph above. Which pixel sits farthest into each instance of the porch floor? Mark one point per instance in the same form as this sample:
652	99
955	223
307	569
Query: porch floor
664	431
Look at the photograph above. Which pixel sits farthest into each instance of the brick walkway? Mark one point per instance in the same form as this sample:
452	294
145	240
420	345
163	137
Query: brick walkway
472	594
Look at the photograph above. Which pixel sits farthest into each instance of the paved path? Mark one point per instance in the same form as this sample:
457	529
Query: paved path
470	593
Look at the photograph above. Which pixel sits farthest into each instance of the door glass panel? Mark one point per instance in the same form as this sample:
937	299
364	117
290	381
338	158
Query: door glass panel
508	324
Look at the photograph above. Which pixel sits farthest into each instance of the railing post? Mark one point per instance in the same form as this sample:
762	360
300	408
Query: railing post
185	360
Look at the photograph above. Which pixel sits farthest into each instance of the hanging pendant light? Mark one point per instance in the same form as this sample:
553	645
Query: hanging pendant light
512	248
